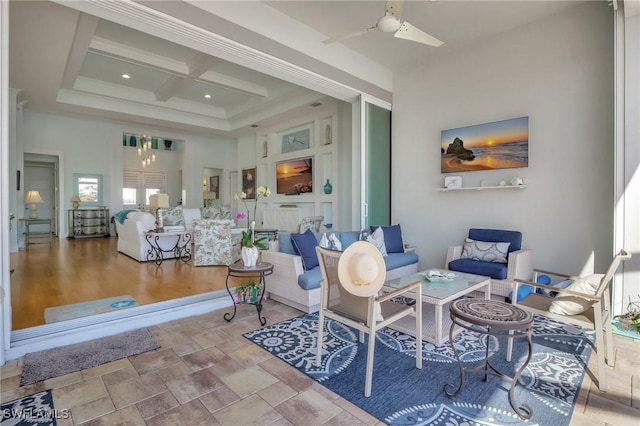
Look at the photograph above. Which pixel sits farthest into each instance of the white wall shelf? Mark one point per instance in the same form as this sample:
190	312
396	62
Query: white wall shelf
482	188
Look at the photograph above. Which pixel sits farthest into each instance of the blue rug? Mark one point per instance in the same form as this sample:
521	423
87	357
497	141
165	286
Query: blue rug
84	309
36	409
403	395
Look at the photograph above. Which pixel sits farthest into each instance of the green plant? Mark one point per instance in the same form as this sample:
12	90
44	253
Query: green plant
248	240
249	292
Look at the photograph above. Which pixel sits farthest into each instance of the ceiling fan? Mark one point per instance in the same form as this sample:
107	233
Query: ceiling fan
390	22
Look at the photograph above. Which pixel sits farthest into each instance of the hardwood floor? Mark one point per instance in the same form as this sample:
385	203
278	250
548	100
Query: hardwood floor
74	271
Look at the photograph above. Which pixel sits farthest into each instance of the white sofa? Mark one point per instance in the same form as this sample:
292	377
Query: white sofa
131	236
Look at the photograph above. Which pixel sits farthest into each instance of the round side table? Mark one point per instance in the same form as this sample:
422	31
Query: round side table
238	269
492	318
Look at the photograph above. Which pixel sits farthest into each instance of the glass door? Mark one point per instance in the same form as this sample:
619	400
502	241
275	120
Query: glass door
376	163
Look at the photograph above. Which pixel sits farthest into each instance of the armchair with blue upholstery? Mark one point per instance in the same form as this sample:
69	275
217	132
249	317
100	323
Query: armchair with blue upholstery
519	261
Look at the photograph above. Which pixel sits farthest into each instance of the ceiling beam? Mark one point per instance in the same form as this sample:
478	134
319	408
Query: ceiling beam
85	29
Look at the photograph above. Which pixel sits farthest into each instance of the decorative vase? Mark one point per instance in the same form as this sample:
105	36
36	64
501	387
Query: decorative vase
249	256
328	187
167	145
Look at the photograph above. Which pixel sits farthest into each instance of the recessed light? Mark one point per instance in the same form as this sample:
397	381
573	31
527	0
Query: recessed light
127	76
208	96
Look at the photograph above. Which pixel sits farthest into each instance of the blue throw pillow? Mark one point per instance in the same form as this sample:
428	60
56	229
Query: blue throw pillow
305	245
392	238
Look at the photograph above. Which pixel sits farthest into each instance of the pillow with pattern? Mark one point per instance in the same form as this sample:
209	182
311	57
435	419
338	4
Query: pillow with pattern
330	242
173	216
377	239
485	251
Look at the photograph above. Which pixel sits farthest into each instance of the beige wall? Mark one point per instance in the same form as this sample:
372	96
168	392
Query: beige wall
559	73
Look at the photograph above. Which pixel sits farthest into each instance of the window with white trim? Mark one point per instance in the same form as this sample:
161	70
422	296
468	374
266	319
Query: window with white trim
138	186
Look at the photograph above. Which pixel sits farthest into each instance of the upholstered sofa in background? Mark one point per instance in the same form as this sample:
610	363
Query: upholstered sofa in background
131	225
131	231
295	286
182	216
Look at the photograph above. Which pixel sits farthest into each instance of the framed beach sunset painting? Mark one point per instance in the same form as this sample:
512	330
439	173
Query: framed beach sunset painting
497	145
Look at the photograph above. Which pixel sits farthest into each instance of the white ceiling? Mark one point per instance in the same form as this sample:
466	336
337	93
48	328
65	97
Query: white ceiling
67	61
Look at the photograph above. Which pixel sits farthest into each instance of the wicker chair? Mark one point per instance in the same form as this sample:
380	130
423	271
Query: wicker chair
364	311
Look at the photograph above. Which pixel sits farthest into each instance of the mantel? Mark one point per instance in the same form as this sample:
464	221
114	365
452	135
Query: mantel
482	188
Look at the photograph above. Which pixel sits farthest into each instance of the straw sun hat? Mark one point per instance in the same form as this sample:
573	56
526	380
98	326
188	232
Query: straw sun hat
361	269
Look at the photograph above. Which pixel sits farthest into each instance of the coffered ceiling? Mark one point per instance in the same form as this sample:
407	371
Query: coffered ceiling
69	61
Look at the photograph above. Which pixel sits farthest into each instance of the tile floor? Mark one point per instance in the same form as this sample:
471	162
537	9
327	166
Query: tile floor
206	373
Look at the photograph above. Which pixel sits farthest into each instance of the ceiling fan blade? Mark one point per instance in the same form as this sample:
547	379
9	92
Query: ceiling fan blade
348	35
409	32
394	7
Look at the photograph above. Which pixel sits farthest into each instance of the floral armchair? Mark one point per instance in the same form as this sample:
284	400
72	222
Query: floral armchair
215	243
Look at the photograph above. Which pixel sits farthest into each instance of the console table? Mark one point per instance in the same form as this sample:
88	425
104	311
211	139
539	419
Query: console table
181	249
28	234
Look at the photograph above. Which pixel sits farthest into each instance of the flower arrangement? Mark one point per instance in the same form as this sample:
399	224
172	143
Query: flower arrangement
248	293
248	236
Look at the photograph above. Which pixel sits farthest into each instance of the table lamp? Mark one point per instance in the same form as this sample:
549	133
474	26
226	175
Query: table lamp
75	200
33	198
159	202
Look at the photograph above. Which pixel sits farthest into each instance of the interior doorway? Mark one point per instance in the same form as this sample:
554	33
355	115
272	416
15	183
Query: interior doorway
41	174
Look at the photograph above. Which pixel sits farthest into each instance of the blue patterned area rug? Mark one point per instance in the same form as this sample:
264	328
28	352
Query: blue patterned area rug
36	409
403	395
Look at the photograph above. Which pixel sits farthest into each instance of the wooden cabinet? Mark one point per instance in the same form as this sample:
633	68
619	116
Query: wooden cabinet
285	218
88	223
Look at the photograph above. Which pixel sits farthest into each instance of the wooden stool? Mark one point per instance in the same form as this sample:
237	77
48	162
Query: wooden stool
492	318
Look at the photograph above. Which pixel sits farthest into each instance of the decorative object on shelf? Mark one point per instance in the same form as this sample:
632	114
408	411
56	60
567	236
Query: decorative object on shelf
497	145
294	176
75	202
327	134
328	188
502	183
167	144
297	140
517	181
249	239
158	202
452	182
249	183
145	146
133	140
33	198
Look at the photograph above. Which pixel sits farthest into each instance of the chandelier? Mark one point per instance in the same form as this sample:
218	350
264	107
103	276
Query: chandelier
144	151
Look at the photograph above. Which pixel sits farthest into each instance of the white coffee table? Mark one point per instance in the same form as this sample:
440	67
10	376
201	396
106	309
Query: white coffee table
436	295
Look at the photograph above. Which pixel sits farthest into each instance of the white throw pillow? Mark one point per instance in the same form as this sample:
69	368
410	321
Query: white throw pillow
485	251
377	239
574	305
330	241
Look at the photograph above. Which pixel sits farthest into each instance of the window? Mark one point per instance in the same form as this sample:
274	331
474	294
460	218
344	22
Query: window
138	186
88	188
